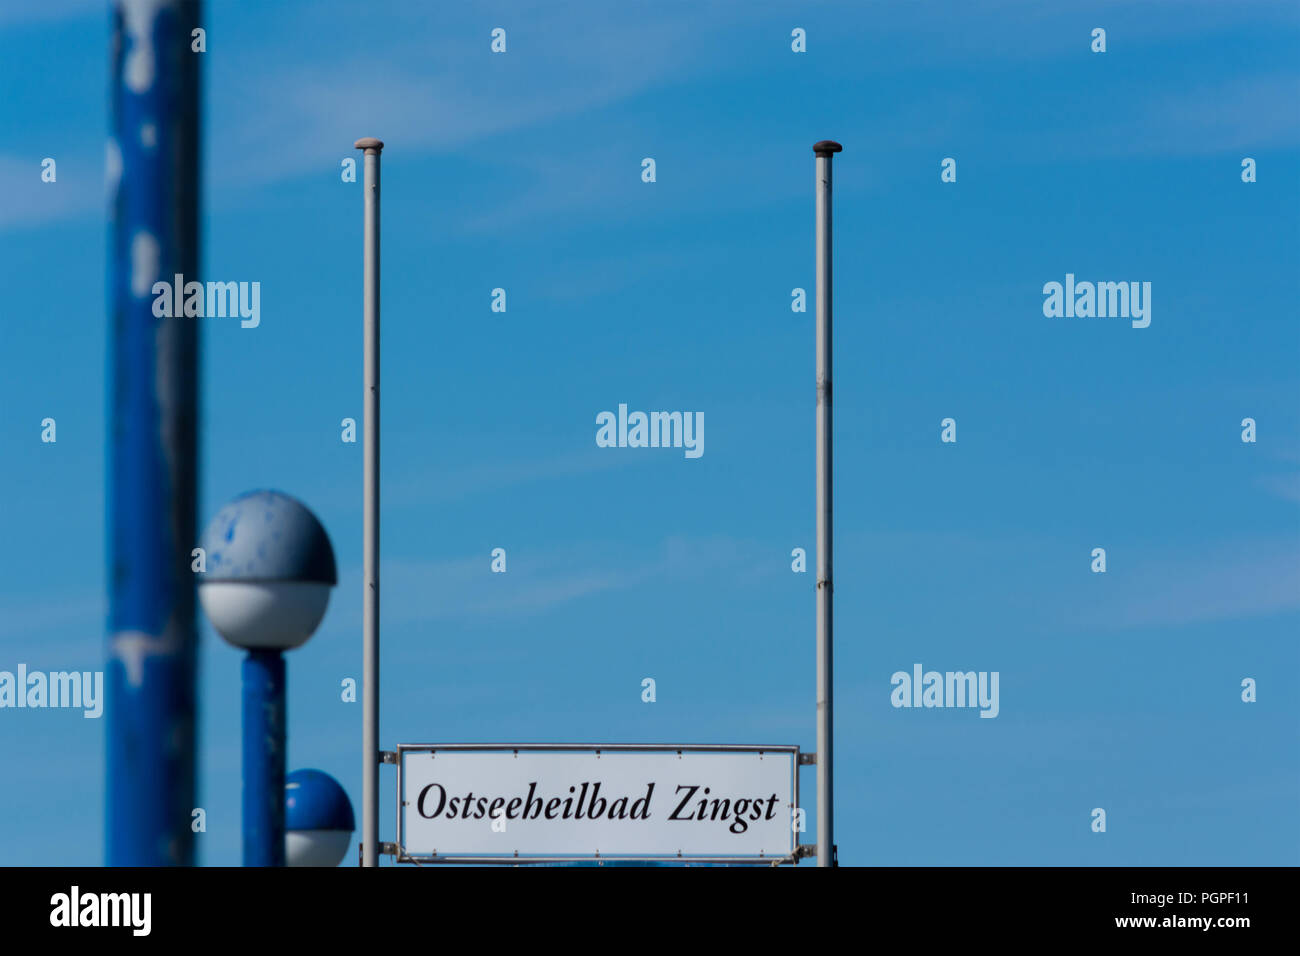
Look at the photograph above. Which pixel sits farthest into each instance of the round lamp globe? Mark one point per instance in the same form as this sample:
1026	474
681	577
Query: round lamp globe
268	571
318	820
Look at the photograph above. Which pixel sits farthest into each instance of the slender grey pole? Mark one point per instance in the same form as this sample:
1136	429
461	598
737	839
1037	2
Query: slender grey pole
825	672
370	535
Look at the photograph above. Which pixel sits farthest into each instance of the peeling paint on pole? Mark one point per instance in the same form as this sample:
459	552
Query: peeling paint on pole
153	170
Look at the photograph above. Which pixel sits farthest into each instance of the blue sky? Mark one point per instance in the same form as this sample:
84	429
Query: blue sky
1118	690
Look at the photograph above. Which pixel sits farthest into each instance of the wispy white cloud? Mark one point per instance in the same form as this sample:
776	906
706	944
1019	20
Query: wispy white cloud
28	200
417	591
425	87
1253	112
1145	586
447	93
68	627
15	12
494	476
459	482
1220	581
1285	486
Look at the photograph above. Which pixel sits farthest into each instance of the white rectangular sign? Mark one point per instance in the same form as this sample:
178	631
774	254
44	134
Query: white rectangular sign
516	801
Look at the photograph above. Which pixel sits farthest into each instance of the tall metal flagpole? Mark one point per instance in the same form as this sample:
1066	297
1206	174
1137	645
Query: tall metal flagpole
152	443
825	722
370	492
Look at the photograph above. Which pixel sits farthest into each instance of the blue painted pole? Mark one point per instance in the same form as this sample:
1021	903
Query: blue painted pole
264	758
153	172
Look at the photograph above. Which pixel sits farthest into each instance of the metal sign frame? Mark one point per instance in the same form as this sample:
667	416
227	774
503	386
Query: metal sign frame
784	749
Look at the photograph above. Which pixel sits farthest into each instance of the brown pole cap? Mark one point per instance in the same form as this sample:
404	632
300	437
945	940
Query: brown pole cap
826	147
368	143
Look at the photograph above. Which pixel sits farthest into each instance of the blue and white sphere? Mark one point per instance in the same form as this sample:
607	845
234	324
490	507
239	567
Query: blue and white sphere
318	821
269	571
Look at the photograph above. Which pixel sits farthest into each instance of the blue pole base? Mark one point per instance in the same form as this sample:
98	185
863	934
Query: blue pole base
264	758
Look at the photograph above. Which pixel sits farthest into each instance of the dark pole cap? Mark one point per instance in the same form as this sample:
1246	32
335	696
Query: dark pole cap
826	147
368	143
